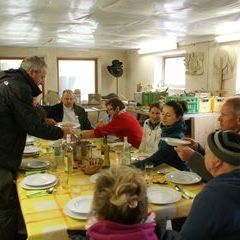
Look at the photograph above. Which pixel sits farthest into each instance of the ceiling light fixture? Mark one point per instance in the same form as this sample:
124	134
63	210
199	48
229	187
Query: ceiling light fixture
228	37
155	46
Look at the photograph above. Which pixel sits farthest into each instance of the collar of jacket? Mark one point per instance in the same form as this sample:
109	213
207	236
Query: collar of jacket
179	126
35	89
151	125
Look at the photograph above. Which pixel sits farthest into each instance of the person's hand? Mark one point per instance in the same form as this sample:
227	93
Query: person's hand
50	121
184	152
193	144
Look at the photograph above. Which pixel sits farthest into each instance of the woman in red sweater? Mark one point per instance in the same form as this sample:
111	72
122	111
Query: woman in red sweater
122	124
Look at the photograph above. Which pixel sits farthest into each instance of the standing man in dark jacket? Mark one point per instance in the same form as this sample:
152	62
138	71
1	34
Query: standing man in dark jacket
17	118
68	111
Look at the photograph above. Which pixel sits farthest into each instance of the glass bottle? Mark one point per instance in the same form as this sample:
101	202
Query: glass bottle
105	149
68	155
126	154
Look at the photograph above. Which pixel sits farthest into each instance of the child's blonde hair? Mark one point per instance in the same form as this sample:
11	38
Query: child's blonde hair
120	196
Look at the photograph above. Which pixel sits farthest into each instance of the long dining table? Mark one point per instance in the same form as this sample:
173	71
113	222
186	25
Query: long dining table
44	215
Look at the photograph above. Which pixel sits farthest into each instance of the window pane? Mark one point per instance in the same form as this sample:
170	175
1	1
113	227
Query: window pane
174	72
6	64
77	74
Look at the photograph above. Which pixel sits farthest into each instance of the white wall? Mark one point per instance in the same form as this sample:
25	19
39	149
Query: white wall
107	82
141	69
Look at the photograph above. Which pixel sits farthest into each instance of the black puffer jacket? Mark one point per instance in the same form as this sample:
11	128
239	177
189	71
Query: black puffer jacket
18	117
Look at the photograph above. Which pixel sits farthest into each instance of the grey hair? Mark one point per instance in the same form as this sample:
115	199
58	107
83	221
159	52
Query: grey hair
68	91
34	62
235	103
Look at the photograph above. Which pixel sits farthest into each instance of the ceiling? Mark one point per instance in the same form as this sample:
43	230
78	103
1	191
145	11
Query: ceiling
114	24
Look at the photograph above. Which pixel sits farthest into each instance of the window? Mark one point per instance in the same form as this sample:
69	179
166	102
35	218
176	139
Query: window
7	63
78	74
174	72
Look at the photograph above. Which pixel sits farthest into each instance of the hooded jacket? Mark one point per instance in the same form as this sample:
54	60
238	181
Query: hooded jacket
166	153
215	213
107	230
18	117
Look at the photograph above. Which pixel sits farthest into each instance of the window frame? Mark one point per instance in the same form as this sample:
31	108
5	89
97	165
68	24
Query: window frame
79	59
163	72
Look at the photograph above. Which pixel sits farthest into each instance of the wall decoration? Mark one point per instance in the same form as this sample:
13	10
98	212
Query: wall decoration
224	65
194	63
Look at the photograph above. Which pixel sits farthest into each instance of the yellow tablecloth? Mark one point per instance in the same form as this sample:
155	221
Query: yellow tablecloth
44	216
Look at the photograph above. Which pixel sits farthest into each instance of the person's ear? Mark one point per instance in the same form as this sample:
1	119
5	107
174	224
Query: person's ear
31	72
238	120
117	109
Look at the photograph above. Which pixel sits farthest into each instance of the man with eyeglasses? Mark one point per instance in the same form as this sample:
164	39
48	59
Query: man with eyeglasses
229	119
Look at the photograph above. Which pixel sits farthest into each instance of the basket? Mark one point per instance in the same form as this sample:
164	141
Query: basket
192	102
205	104
90	166
217	103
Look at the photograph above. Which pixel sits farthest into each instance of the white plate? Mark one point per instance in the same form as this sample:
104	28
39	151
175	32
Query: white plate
27	187
68	124
80	205
162	195
183	177
28	150
73	215
112	139
94	177
175	141
39	180
37	163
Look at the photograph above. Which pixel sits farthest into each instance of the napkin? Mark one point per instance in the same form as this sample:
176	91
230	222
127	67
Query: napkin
36	193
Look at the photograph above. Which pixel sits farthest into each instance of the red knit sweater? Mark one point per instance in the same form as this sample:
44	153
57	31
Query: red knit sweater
121	125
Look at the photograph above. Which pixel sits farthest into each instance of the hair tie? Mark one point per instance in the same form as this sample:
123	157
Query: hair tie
133	204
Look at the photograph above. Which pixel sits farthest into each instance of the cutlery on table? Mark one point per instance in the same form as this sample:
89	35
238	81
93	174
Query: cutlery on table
184	193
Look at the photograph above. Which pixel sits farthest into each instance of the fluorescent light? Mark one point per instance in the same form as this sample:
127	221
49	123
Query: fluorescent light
172	53
228	37
154	46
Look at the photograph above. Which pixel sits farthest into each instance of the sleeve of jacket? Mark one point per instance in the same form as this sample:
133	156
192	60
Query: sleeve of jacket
112	128
196	163
83	118
55	112
28	119
165	154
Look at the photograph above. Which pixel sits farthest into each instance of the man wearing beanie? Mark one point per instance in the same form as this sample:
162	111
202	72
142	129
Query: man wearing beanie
215	213
229	119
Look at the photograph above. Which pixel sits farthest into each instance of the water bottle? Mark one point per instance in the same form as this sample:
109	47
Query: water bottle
126	154
68	155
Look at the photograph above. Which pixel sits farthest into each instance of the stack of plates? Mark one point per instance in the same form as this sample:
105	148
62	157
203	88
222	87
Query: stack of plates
39	181
31	151
30	140
35	164
79	207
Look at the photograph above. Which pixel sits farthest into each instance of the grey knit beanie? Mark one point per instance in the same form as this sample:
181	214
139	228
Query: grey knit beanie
226	146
